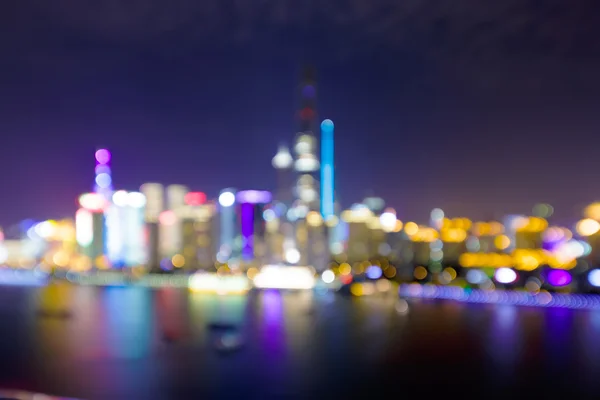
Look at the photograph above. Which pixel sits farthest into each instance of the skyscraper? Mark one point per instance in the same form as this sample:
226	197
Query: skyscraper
283	163
306	163
327	170
154	193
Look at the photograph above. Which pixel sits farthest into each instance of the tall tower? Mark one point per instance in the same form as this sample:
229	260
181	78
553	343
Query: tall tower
283	163
103	180
327	170
306	162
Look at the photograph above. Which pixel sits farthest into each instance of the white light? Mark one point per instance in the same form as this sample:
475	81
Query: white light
307	194
136	199
304	145
213	283
226	199
594	277
306	163
84	225
301	211
437	214
283	159
401	306
337	248
505	275
388	221
103	180
269	215
278	277
3	254
292	256
45	229
92	201
291	215
328	276
120	198
476	276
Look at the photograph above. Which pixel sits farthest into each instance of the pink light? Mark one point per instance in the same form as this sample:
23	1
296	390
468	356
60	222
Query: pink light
167	217
254	196
103	156
195	198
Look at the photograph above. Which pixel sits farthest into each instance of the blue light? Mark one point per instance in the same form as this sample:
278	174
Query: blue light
374	272
594	277
327	170
103	180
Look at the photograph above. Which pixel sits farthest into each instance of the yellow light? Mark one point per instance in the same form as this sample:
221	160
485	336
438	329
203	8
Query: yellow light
496	228
389	272
425	234
454	235
223	270
447	223
410	228
60	259
420	272
314	219
587	227
481	229
251	273
359	215
178	260
345	269
502	242
101	262
398	226
592	211
466	223
451	272
467	260
332	221
374	223
356	289
83	263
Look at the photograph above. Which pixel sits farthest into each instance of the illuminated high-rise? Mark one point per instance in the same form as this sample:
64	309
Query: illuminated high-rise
90	228
283	162
103	179
171	222
154	193
327	170
306	163
227	222
252	223
126	241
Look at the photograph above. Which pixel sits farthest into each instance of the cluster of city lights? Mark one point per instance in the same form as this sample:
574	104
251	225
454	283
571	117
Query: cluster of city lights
511	297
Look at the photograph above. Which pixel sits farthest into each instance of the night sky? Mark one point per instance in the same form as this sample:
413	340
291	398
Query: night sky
481	107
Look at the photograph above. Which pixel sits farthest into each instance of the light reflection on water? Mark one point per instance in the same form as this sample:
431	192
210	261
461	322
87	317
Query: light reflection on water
128	321
504	341
273	338
113	339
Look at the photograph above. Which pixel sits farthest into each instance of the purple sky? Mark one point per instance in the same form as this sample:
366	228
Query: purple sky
481	108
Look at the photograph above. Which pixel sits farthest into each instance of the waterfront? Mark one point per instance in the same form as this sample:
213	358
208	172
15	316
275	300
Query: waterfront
134	342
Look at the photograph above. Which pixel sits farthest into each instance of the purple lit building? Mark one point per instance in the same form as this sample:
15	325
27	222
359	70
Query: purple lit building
252	223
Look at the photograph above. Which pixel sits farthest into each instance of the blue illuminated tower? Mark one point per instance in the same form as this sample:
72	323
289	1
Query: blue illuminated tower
327	170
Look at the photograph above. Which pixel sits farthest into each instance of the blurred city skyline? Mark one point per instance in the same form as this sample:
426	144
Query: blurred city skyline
423	119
